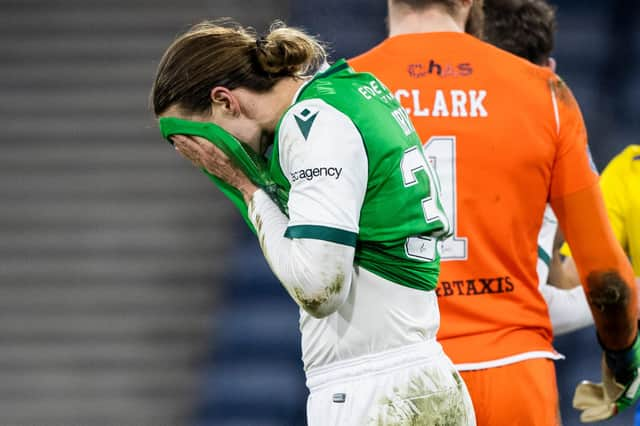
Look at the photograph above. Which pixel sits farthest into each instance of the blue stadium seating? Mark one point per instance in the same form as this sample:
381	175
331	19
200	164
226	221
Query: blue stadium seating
254	376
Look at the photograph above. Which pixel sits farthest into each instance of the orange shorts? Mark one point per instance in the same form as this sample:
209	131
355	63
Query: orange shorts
520	394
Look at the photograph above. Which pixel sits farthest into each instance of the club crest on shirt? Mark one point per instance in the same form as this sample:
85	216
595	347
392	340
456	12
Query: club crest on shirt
305	119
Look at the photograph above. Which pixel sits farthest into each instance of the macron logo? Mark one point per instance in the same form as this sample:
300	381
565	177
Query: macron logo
305	120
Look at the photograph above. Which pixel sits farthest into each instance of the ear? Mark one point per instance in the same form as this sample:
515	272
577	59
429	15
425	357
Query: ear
223	100
551	63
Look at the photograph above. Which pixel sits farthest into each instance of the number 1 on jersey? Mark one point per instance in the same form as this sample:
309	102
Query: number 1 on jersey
441	153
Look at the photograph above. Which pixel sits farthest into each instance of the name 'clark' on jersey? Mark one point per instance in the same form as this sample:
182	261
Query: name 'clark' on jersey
505	137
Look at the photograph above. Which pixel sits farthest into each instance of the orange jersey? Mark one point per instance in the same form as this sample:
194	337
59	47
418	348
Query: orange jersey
505	137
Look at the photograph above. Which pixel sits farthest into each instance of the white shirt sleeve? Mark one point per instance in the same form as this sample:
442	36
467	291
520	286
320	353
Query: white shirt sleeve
322	155
545	245
568	309
315	273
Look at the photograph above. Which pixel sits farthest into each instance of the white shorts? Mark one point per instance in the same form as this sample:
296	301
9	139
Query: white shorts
413	385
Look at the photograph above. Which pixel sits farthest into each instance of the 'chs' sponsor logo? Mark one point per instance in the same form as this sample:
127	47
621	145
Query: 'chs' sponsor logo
443	103
475	287
310	174
441	70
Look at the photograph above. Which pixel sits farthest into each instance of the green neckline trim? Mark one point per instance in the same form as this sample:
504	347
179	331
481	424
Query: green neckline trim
339	65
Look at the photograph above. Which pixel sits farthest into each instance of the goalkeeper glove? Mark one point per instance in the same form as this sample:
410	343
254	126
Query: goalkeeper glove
620	387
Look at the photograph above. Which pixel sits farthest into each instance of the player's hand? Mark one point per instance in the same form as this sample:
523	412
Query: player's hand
620	387
209	157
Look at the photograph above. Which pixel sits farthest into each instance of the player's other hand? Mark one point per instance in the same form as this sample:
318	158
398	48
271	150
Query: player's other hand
620	387
209	157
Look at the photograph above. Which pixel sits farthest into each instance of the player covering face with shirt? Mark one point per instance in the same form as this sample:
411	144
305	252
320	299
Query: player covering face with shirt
346	209
506	138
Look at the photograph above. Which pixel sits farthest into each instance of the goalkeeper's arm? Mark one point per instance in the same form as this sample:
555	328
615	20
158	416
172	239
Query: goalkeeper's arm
609	283
604	269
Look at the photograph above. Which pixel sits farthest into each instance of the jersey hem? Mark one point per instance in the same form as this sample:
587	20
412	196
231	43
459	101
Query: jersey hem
470	366
368	365
325	233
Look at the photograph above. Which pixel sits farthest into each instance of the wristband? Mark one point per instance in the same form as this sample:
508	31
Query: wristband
623	363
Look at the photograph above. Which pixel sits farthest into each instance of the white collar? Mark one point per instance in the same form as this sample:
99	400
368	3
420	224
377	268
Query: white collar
325	66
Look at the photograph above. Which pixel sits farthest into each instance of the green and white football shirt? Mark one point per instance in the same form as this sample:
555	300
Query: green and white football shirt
360	207
354	173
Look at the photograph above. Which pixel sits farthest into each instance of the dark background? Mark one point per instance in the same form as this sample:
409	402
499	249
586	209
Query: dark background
130	291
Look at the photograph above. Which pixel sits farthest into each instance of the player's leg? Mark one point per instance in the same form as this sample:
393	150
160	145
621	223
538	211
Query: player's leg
520	394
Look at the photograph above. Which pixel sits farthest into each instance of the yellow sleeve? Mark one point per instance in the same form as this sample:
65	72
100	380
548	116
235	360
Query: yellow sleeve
612	184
